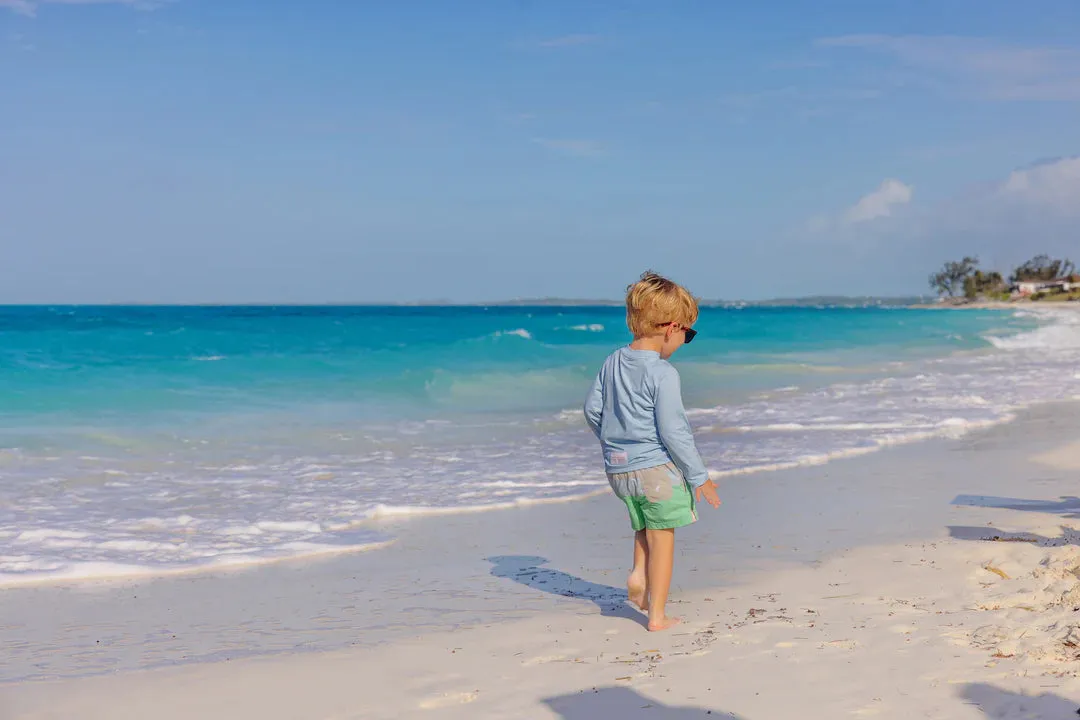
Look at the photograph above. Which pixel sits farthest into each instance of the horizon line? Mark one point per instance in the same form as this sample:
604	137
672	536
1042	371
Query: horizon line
517	302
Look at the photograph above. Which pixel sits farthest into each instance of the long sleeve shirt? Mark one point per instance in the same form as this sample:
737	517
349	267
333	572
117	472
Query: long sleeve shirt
635	409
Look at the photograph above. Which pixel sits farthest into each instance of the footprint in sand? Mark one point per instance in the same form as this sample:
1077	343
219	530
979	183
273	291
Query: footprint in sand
840	644
449	700
543	660
867	711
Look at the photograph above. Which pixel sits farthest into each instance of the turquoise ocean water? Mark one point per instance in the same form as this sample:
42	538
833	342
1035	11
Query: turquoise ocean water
149	439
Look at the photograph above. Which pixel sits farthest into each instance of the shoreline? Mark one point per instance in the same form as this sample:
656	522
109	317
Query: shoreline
875	590
387	516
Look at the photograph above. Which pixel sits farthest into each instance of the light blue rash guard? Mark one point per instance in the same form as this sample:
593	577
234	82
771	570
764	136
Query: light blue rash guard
635	408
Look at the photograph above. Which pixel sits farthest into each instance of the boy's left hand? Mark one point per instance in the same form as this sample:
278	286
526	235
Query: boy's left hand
707	492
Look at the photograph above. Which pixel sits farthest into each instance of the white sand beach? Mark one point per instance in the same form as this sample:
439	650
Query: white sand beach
935	580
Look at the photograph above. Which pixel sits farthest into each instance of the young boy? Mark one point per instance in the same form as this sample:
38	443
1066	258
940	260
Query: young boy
635	408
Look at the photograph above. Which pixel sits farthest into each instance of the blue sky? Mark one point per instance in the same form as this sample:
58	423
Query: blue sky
232	150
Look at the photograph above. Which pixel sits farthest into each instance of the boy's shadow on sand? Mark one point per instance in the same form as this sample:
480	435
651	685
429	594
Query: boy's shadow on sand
526	570
1004	705
1067	506
622	702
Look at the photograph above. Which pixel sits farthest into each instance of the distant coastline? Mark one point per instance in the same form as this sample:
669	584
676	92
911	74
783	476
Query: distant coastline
853	301
821	301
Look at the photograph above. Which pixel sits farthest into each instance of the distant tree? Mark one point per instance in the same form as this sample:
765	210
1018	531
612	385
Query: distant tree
950	279
1043	268
980	283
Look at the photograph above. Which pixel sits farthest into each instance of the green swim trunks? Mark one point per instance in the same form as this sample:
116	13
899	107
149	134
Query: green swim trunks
657	497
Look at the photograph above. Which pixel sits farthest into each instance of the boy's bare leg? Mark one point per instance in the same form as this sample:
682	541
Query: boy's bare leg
637	585
661	556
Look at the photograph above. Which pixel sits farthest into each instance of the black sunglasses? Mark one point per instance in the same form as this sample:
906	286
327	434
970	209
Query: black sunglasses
690	332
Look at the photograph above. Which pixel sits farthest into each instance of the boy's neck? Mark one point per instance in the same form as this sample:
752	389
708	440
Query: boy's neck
655	344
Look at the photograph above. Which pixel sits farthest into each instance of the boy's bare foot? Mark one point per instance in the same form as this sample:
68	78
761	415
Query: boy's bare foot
638	590
665	624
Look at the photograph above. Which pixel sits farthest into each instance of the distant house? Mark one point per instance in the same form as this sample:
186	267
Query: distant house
1030	287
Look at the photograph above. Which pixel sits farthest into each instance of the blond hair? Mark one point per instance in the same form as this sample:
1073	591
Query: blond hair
654	301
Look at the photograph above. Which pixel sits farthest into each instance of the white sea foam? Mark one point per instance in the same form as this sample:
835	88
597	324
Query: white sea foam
388	511
1061	331
519	332
570	416
594	327
26	570
299	526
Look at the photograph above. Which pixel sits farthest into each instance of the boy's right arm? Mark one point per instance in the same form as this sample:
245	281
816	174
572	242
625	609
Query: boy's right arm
674	428
594	405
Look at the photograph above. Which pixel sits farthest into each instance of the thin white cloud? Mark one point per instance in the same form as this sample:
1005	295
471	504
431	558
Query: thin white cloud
880	203
570	41
795	102
22	7
976	67
1053	185
800	64
19	42
29	8
575	148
